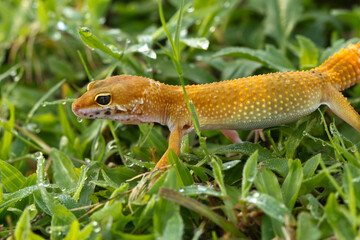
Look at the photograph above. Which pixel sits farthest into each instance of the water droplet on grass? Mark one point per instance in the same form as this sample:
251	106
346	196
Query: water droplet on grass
201	188
61	26
38	155
79	119
226	4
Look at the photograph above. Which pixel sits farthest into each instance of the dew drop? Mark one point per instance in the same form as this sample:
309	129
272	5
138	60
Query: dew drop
190	10
102	20
226	4
38	155
305	133
61	26
79	120
48	229
55	36
181	190
201	188
85	29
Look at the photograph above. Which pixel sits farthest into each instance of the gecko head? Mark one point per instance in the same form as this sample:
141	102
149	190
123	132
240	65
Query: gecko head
119	98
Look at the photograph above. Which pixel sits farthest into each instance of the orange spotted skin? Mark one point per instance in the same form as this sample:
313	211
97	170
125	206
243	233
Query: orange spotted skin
246	103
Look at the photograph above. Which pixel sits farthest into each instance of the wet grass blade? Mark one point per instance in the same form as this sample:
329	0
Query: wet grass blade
200	209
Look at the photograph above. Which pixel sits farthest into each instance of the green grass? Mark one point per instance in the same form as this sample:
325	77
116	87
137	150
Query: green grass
62	178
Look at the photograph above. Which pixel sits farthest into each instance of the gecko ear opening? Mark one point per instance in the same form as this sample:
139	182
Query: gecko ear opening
103	99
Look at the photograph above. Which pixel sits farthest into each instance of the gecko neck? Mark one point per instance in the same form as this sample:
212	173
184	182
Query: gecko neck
159	101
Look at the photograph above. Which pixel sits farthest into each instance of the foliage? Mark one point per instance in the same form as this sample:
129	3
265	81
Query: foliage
65	178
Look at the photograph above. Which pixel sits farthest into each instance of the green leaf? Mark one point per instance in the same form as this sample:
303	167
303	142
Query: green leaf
174	227
249	174
201	43
281	18
81	182
86	231
114	210
23	226
292	183
43	98
94	43
128	236
154	138
272	207
266	182
11	178
311	165
182	172
199	208
337	220
308	53
352	189
73	233
6	139
40	168
98	148
270	57
313	205
246	148
18	195
64	173
68	131
229	206
307	228
238	69
217	171
61	217
264	155
297	136
165	209
195	190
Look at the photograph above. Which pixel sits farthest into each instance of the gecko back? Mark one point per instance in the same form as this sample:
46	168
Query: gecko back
344	67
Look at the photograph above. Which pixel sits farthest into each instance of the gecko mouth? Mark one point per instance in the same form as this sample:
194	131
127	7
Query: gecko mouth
107	113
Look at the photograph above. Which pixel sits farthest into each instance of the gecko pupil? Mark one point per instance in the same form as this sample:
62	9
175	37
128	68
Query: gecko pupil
103	100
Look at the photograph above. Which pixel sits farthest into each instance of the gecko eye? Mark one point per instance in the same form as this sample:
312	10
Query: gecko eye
103	99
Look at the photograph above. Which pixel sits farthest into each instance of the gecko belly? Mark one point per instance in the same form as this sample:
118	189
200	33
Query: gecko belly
257	122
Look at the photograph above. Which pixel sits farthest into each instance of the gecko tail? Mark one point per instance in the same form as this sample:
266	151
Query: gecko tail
343	67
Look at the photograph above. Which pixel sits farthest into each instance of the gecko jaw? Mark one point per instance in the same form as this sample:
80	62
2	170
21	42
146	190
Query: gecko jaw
119	115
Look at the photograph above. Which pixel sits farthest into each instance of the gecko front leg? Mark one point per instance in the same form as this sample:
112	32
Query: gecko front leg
174	143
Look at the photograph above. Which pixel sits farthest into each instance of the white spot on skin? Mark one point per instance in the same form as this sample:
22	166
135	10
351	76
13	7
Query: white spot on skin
121	108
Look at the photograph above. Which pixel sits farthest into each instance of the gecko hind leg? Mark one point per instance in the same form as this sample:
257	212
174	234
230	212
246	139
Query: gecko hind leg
257	134
341	107
232	135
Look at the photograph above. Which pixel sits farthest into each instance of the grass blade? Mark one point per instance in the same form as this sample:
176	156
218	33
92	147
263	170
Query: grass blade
200	209
42	99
